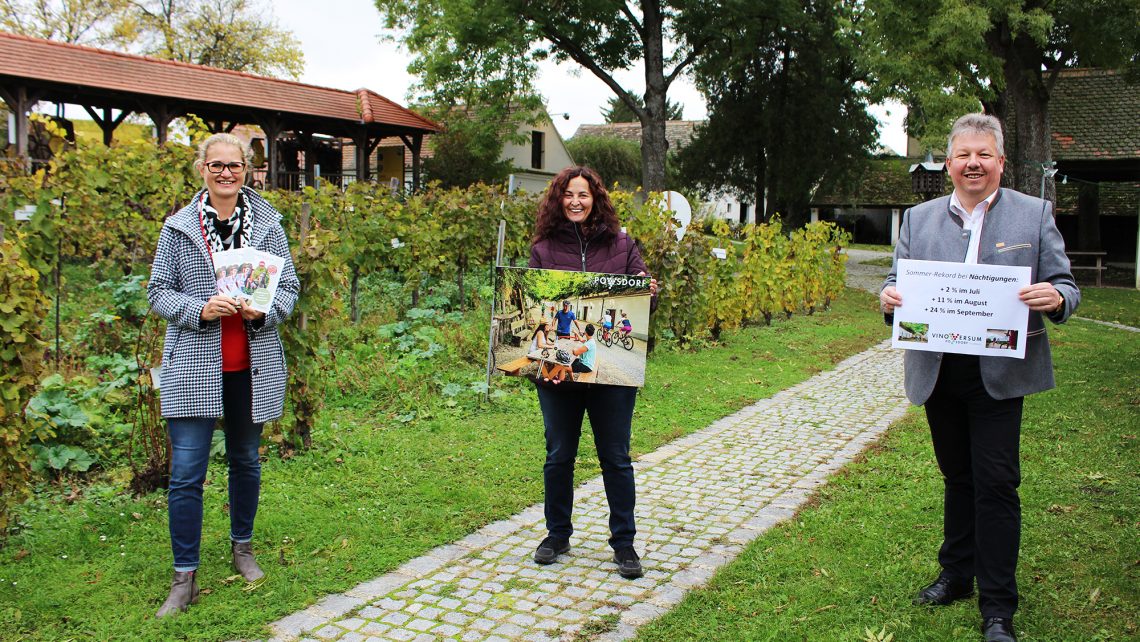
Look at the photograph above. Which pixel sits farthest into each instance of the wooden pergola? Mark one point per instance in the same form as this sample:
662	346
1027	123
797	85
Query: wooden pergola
110	86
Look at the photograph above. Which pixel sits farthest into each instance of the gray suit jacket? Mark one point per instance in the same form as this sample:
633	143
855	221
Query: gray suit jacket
1017	230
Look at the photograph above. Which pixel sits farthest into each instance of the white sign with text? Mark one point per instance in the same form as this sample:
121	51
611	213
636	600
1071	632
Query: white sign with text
960	308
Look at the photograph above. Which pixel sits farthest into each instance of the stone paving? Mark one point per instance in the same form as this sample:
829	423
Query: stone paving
863	276
701	499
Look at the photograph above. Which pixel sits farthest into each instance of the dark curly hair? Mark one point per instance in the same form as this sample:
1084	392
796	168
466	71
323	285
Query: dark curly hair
602	220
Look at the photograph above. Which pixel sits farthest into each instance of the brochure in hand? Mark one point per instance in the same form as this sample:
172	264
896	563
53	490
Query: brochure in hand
248	274
584	327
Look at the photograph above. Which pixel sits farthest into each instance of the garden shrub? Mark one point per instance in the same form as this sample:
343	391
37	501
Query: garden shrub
22	311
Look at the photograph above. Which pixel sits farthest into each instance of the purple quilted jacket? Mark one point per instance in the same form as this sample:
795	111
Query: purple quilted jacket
570	250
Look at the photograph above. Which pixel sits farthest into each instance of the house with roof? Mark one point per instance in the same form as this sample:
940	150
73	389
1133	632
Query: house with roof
539	157
1094	115
535	160
1095	142
304	128
678	133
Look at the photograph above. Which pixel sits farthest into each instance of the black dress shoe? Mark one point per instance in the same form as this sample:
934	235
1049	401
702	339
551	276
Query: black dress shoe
998	629
944	591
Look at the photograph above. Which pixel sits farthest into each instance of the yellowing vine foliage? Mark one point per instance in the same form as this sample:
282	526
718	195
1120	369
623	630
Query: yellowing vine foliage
22	311
117	198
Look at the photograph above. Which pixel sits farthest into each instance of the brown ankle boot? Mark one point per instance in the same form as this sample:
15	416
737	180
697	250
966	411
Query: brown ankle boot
244	562
183	593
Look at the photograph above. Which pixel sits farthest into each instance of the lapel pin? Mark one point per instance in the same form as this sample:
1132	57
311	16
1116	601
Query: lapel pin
1000	245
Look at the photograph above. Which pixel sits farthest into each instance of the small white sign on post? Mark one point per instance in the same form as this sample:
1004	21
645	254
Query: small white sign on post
720	253
961	308
25	212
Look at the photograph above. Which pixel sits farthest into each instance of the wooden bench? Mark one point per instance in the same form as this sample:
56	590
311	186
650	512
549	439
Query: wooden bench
586	377
1100	267
513	367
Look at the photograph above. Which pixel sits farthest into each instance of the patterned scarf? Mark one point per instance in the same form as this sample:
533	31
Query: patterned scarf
241	225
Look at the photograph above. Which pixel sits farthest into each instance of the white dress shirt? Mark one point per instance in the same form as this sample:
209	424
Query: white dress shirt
972	222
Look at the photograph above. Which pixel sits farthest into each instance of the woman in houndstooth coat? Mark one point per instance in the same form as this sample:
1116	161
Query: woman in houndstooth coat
220	358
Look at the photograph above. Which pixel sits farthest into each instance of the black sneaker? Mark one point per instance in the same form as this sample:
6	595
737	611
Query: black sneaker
550	548
629	564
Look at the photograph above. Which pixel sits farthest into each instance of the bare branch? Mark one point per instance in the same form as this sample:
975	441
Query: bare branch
580	56
633	19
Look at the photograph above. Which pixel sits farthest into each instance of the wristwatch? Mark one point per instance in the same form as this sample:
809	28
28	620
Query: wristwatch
1060	305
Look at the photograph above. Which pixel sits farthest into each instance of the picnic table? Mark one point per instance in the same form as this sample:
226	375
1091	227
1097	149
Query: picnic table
549	367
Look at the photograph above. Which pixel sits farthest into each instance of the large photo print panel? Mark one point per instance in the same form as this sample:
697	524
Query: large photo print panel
555	325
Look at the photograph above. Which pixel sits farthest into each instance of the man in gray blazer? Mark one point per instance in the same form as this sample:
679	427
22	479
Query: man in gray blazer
973	404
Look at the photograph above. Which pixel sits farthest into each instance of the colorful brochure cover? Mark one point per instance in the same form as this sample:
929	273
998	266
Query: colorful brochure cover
555	325
248	274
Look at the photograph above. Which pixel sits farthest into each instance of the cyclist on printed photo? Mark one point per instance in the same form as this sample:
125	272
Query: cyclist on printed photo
626	326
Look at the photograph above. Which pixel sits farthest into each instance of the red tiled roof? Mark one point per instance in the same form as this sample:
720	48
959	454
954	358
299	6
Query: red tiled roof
1095	115
34	59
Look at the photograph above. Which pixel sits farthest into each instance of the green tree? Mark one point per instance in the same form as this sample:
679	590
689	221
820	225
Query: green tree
616	160
616	111
467	151
785	108
98	23
230	34
456	41
1002	54
475	73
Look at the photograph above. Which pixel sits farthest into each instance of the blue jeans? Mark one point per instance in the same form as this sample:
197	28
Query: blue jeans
190	453
611	414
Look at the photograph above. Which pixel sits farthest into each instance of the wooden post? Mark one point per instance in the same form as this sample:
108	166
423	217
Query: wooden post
815	215
306	209
20	102
271	128
895	224
106	121
306	139
418	140
414	143
361	142
161	115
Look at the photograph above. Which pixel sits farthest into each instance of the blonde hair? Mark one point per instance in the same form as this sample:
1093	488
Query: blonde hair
226	139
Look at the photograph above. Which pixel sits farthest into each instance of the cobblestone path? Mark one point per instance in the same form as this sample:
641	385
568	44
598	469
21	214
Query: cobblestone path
701	499
863	276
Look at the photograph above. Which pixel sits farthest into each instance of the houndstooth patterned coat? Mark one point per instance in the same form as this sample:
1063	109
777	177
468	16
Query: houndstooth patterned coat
181	281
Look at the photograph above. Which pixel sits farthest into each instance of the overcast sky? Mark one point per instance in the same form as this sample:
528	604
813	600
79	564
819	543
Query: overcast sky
342	42
344	46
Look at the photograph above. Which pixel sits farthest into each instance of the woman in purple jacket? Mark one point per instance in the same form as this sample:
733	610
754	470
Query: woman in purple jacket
578	229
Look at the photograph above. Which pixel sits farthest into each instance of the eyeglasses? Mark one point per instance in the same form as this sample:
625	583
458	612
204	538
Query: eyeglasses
216	167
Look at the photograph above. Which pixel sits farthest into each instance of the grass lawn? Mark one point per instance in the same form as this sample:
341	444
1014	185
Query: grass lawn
871	247
376	492
882	261
852	560
1119	305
